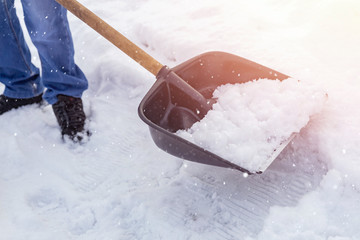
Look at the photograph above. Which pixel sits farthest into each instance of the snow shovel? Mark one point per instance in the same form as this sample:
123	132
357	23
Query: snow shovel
181	95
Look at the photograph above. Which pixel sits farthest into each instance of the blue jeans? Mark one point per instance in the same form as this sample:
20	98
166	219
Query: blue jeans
47	24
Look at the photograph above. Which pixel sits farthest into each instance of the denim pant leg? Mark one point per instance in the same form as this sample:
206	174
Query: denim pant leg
49	30
20	77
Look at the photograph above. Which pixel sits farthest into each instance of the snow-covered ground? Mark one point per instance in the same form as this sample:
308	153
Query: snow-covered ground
119	185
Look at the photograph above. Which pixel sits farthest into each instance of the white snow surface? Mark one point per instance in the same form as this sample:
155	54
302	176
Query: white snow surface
119	185
251	121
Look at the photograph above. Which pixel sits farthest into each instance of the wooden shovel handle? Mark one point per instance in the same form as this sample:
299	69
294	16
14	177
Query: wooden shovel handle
108	32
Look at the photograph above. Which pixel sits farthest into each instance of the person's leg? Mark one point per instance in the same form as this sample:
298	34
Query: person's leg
20	77
49	30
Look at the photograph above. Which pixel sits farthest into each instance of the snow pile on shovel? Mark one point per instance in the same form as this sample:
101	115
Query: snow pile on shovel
251	122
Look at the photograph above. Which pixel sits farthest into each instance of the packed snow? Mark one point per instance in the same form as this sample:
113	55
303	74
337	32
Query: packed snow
119	185
251	121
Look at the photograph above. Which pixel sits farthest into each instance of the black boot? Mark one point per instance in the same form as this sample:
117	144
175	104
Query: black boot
7	104
70	115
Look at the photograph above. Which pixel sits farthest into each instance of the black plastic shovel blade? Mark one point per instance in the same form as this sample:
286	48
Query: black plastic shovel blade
182	96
